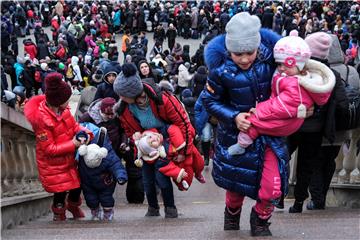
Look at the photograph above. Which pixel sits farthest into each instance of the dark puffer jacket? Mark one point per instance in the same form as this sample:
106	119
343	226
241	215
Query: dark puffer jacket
231	91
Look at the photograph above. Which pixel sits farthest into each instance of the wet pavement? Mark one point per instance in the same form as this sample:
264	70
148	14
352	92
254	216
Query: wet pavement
200	217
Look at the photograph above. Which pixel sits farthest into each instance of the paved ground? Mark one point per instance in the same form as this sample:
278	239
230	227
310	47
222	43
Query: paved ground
201	217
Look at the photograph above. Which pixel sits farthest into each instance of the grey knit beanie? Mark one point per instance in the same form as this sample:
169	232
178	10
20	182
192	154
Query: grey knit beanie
128	82
242	33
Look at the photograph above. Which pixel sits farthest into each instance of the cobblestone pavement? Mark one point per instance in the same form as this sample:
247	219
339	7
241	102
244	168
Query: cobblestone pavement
200	217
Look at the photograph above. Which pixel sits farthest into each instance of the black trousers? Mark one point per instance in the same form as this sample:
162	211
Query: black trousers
308	145
59	198
321	177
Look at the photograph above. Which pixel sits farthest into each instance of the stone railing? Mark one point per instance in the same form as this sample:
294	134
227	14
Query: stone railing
22	195
18	168
345	184
348	162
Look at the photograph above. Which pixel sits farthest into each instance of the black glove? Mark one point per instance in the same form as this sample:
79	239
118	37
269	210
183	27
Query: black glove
121	181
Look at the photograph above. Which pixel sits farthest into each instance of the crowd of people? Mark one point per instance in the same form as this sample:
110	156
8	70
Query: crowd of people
208	100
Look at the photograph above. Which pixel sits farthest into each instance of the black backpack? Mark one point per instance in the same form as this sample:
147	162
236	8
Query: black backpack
347	112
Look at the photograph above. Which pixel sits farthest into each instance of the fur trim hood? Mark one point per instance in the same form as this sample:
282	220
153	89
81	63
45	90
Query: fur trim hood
216	53
320	78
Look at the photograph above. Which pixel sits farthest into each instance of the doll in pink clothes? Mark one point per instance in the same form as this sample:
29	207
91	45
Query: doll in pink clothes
297	84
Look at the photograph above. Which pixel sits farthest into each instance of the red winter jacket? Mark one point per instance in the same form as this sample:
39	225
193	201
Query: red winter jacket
55	151
30	48
165	107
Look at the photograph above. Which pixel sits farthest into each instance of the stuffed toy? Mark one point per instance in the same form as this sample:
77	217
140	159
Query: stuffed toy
149	147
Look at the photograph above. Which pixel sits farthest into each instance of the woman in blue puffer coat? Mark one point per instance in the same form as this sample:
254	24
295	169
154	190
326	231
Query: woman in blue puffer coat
241	67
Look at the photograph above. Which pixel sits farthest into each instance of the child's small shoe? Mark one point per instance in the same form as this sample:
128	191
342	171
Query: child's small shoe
236	149
185	184
108	214
200	178
96	214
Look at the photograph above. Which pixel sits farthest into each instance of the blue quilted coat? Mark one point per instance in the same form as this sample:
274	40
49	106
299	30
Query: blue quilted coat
99	183
231	91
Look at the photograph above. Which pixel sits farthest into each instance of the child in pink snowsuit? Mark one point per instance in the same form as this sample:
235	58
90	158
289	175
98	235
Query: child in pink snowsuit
297	84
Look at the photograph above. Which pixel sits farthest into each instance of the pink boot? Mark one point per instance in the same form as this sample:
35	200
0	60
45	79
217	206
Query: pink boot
59	213
74	208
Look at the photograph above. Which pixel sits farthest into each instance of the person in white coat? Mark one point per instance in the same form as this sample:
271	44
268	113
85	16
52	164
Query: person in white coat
184	78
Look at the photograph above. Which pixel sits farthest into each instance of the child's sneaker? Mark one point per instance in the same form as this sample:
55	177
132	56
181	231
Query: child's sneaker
236	149
96	214
185	184
108	214
200	178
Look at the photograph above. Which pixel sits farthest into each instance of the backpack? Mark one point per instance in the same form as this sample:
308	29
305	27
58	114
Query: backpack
69	73
347	109
37	76
60	52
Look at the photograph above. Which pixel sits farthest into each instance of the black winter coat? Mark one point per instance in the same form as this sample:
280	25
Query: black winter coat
104	90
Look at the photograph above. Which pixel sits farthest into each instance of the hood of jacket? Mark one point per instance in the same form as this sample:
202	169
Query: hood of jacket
74	60
94	111
320	79
216	53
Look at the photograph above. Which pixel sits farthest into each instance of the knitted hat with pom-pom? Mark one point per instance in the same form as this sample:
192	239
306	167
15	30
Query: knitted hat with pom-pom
128	82
57	92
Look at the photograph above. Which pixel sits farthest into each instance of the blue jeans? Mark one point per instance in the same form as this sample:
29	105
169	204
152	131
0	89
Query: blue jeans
152	176
206	132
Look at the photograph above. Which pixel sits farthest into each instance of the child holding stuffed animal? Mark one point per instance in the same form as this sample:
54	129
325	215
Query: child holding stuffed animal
150	149
100	168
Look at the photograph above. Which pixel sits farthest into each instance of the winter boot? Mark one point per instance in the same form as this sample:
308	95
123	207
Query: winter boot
296	208
280	204
171	212
314	206
74	208
259	227
232	219
152	212
59	212
96	214
108	214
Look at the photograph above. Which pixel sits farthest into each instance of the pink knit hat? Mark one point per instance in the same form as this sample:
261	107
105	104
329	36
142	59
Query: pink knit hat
319	44
292	51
